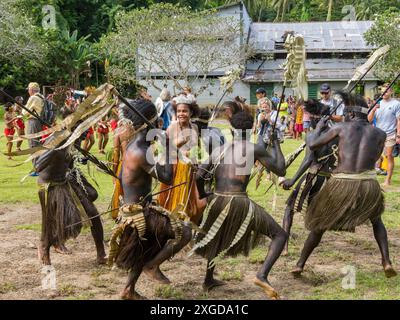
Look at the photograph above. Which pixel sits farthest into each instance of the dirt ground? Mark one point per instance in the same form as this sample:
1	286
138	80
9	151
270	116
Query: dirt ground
78	277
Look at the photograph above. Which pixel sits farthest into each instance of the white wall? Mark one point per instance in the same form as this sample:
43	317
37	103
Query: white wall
210	96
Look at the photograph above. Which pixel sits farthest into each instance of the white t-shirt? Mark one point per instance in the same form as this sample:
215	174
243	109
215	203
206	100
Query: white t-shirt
387	114
332	103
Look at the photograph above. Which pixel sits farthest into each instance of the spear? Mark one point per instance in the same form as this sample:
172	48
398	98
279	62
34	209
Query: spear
376	102
115	209
87	154
126	102
32	113
296	73
226	81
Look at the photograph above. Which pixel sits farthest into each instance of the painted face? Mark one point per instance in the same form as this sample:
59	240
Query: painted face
183	113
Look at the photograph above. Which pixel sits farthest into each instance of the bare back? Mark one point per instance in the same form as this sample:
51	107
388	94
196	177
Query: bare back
360	145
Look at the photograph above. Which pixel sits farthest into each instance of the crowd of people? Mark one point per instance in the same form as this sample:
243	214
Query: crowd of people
209	200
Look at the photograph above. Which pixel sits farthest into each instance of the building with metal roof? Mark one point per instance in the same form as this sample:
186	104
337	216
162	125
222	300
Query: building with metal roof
334	50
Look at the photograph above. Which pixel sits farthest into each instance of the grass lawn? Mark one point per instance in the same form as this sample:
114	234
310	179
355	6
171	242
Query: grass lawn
370	284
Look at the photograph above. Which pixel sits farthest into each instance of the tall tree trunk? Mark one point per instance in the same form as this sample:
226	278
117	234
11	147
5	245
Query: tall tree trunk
284	9
329	15
278	13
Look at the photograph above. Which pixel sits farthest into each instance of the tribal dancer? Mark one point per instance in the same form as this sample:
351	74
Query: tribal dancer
140	240
232	221
66	198
319	164
352	195
122	136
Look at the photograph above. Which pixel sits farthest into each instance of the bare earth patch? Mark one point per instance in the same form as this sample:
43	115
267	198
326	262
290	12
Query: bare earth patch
78	277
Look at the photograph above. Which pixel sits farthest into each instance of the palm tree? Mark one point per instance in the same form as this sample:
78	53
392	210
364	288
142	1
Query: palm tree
254	7
77	54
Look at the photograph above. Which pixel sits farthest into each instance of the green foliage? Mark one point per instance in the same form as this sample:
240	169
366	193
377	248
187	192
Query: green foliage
386	31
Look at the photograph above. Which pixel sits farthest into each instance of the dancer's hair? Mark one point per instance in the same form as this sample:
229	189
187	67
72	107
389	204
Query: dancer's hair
242	121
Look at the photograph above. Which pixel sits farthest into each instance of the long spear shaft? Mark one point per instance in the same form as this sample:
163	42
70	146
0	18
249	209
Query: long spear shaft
135	110
100	214
384	92
339	104
33	114
87	154
377	100
279	106
355	85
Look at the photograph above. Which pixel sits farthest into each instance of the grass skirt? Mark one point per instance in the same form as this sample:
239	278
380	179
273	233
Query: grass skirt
133	251
232	225
59	210
343	204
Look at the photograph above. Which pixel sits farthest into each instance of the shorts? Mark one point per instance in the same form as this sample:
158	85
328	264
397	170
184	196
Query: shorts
89	133
9	132
103	130
19	123
298	127
306	124
113	124
390	140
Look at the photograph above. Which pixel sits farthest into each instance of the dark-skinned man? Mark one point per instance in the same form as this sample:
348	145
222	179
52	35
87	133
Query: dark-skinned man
352	195
231	217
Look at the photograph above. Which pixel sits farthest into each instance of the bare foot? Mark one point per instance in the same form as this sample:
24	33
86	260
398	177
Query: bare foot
211	284
296	272
156	274
266	286
389	271
62	249
285	251
102	260
44	259
127	295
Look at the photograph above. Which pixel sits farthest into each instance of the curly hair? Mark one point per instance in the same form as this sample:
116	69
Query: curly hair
242	120
145	107
316	108
193	107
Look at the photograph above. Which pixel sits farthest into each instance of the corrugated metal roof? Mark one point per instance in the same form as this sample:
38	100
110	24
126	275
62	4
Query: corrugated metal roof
313	75
319	36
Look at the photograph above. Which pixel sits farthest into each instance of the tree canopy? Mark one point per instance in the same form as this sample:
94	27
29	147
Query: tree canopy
72	53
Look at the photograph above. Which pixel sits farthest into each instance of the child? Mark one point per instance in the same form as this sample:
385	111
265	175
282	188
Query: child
19	121
9	130
102	130
298	127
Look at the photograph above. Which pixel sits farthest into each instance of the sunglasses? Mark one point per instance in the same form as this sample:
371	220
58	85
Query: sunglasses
324	92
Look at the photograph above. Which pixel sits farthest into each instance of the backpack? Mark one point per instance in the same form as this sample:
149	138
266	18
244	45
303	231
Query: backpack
48	113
